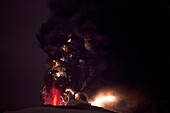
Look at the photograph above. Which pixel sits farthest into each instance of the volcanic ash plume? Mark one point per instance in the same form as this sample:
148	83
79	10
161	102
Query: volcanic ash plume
68	60
89	50
78	39
73	49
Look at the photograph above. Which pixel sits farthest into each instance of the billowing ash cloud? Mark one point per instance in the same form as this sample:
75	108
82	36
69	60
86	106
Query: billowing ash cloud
96	22
94	28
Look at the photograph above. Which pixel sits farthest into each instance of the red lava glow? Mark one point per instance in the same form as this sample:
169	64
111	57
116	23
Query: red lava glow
51	97
54	97
55	100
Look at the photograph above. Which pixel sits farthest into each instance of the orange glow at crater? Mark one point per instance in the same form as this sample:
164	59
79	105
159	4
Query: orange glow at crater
100	101
104	99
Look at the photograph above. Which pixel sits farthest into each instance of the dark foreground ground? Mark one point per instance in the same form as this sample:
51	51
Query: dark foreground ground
62	109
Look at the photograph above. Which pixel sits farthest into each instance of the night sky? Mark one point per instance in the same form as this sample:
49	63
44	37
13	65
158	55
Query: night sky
138	48
22	61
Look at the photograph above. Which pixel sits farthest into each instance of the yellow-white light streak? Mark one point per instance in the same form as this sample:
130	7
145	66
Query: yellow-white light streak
56	63
65	48
58	74
70	90
69	40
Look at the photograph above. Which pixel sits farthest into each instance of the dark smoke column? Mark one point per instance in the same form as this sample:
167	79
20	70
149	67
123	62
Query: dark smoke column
76	52
67	60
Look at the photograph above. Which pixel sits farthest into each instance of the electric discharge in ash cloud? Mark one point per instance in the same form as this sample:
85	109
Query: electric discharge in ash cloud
76	52
67	63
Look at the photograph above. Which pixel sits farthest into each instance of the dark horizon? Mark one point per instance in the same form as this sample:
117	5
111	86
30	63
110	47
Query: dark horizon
139	48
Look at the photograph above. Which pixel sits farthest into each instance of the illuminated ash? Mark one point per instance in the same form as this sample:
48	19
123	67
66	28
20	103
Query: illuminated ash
76	51
67	64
